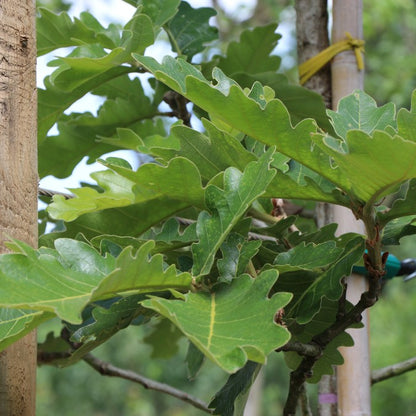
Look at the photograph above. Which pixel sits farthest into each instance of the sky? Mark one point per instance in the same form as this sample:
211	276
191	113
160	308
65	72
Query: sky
117	11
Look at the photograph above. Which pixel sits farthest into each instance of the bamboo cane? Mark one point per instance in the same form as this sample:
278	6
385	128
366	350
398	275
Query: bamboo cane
353	376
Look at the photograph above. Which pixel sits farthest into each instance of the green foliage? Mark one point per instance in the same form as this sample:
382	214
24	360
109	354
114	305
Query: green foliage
15	323
229	325
177	185
192	237
228	206
317	281
389	30
64	281
305	333
189	29
231	399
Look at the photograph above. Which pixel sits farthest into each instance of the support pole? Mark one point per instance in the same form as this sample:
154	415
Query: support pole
18	181
354	378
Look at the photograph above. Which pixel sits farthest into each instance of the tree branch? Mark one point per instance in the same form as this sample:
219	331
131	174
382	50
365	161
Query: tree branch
108	369
393	370
307	350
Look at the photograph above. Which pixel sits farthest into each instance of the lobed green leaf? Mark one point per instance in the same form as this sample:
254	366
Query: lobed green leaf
227	207
177	185
359	111
234	324
189	29
65	280
252	53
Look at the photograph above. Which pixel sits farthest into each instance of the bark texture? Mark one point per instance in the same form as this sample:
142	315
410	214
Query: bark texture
312	38
18	181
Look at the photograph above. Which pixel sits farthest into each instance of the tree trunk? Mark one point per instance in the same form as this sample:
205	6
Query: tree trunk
354	376
312	37
18	181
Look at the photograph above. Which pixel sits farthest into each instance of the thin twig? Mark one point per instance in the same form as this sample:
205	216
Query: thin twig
177	103
108	369
50	194
393	370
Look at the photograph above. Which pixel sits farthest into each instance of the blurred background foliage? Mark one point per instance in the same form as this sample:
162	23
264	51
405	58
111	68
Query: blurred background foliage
390	33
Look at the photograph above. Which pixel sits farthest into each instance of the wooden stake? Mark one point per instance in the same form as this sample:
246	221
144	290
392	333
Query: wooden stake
18	181
354	376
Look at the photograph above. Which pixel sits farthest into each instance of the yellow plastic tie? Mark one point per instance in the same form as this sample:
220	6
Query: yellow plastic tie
313	65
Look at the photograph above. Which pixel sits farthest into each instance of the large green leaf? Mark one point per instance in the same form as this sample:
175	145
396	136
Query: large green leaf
52	101
131	220
100	322
65	280
399	228
212	152
75	72
308	257
311	279
232	325
359	111
169	237
374	161
299	101
406	121
216	150
177	185
251	55
59	31
84	64
15	323
286	186
227	207
236	255
160	11
118	192
401	207
189	29
373	166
